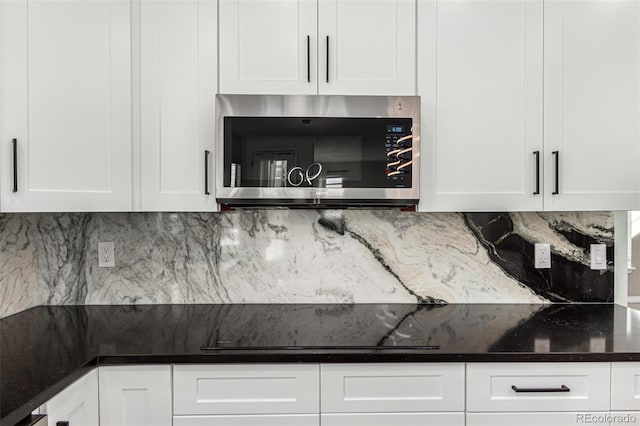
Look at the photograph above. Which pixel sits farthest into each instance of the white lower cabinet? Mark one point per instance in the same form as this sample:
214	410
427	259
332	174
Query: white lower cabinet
407	394
393	419
76	404
249	420
392	388
625	386
231	389
538	387
135	395
535	419
360	394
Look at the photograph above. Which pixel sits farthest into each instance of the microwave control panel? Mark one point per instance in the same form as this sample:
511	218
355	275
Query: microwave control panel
399	151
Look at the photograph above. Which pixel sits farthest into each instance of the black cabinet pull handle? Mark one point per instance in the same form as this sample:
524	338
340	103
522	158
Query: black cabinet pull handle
537	154
308	59
206	172
562	388
62	423
327	59
15	165
556	155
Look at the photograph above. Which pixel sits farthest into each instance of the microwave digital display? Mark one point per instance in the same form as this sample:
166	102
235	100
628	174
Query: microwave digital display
395	128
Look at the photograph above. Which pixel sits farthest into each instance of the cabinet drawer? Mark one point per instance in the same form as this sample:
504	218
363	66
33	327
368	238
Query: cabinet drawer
389	388
535	419
538	387
393	419
246	389
625	386
249	420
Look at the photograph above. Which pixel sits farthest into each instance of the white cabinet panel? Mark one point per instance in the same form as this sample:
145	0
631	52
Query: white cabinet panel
249	420
533	419
136	395
268	46
592	104
66	70
358	388
394	419
246	389
480	78
518	387
178	86
77	404
625	386
371	48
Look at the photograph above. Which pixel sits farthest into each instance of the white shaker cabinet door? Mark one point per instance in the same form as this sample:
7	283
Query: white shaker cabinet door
178	86
366	47
77	404
268	46
66	102
249	420
592	104
480	81
393	419
536	419
135	395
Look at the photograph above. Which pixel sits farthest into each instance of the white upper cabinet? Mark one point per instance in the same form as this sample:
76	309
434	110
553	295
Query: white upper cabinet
66	102
345	47
480	79
592	104
268	46
177	98
366	47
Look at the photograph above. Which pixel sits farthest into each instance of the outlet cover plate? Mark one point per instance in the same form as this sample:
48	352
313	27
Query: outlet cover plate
542	256
598	256
105	255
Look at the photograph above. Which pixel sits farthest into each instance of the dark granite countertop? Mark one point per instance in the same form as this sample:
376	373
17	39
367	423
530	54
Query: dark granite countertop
44	349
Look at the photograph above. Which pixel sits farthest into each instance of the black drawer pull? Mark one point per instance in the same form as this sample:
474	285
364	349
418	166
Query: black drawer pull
562	388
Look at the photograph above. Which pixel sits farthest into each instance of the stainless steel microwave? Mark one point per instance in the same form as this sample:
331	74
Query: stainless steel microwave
317	151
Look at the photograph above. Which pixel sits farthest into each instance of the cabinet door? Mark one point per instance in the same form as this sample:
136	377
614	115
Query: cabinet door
480	79
268	46
371	47
625	386
178	86
67	102
77	404
536	419
135	395
246	389
389	388
592	104
393	419
249	420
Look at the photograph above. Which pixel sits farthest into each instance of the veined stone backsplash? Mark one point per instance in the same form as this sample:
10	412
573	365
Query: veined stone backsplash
298	256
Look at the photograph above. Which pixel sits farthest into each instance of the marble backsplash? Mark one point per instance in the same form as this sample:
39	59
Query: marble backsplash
300	256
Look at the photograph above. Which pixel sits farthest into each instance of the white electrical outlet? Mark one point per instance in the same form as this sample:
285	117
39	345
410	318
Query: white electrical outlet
105	255
542	256
598	256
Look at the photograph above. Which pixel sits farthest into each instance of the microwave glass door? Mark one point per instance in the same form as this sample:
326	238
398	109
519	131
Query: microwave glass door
322	152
